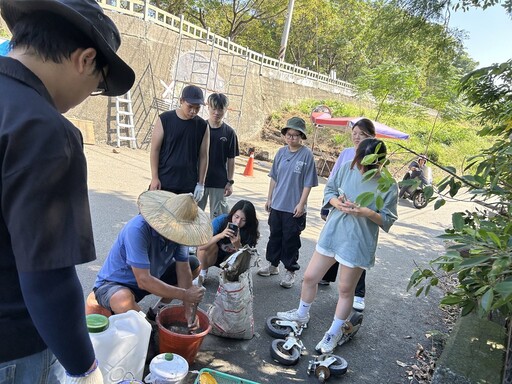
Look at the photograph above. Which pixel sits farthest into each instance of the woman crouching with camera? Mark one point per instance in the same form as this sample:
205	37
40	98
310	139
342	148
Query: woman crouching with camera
230	233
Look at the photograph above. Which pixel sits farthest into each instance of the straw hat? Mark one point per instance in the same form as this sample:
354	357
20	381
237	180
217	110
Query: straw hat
176	217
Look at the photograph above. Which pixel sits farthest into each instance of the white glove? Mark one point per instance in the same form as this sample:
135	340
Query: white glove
94	376
198	192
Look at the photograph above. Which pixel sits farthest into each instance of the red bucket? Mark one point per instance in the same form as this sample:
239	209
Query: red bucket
184	345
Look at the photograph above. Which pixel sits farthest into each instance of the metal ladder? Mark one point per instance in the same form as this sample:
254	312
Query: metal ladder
235	85
202	55
124	120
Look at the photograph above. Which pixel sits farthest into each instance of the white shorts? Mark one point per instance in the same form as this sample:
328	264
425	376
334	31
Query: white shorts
338	258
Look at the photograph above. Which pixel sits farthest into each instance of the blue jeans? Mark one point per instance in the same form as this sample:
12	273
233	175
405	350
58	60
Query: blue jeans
39	368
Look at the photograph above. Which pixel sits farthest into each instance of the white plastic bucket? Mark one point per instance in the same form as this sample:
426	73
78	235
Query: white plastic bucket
167	368
121	344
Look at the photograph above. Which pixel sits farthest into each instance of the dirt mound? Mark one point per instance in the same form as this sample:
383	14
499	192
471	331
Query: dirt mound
325	143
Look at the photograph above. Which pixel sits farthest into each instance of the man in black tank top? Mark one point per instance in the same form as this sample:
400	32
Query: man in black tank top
179	147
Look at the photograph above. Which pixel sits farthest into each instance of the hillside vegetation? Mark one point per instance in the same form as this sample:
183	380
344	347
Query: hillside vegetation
446	142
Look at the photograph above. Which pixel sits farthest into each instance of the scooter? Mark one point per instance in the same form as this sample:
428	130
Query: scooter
417	196
416	192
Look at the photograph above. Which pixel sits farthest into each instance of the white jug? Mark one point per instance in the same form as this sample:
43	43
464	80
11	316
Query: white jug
120	343
167	368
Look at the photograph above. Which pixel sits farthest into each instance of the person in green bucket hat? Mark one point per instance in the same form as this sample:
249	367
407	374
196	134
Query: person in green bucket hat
292	176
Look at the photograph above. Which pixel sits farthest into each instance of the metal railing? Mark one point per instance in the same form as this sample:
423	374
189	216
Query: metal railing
144	10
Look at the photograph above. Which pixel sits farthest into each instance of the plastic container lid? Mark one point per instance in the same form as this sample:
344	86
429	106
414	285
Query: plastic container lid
96	323
168	366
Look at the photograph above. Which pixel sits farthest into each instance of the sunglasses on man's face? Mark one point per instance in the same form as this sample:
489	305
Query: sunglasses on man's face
102	86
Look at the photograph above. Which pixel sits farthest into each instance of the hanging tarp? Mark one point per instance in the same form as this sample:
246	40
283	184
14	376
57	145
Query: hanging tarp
322	116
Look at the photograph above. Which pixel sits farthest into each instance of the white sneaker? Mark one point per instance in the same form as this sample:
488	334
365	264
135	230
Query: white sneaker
268	270
293	315
288	279
328	343
358	303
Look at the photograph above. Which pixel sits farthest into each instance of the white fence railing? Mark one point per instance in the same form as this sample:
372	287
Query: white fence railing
144	10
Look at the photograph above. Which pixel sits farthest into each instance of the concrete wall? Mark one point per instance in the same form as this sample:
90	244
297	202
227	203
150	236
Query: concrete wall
152	51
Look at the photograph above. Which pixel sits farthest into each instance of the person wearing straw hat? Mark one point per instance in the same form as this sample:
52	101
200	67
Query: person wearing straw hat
150	255
62	51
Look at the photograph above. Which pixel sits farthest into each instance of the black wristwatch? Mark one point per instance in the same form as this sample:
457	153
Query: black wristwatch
231	182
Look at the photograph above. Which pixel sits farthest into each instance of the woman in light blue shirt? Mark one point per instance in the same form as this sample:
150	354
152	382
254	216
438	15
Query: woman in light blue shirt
361	129
349	236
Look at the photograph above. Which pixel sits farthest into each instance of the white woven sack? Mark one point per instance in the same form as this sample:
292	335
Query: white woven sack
231	314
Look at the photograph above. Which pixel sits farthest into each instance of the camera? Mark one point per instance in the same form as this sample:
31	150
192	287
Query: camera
233	227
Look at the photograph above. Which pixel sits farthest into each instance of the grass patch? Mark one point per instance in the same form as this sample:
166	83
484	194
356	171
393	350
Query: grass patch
447	142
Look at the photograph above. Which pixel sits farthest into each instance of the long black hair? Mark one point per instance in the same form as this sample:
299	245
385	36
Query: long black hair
249	233
365	125
368	147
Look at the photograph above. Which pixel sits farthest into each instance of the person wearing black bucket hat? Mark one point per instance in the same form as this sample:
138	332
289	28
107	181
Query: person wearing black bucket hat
62	51
87	17
292	176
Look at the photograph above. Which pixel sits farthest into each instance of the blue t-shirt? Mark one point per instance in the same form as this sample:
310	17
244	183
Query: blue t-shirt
140	246
219	224
292	172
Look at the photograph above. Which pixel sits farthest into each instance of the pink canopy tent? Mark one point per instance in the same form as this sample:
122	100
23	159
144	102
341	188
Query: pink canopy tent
322	116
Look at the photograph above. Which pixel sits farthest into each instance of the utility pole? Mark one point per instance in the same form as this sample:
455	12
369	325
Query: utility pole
284	38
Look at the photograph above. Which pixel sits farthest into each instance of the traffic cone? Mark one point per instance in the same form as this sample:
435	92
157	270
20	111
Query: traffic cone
249	167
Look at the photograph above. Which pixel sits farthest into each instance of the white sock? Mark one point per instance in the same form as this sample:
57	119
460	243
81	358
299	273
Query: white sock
336	326
203	272
303	309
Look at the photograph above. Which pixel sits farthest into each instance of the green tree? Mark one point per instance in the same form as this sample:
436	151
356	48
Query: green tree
230	18
440	9
391	85
480	254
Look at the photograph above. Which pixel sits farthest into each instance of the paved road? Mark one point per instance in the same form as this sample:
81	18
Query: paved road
395	321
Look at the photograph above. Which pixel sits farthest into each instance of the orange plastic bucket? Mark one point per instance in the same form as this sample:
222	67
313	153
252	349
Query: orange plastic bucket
184	345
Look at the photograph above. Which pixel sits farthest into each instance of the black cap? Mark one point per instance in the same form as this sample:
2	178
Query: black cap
192	95
88	17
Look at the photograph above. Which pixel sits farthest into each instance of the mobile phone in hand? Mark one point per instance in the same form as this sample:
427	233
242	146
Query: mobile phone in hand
341	195
233	227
